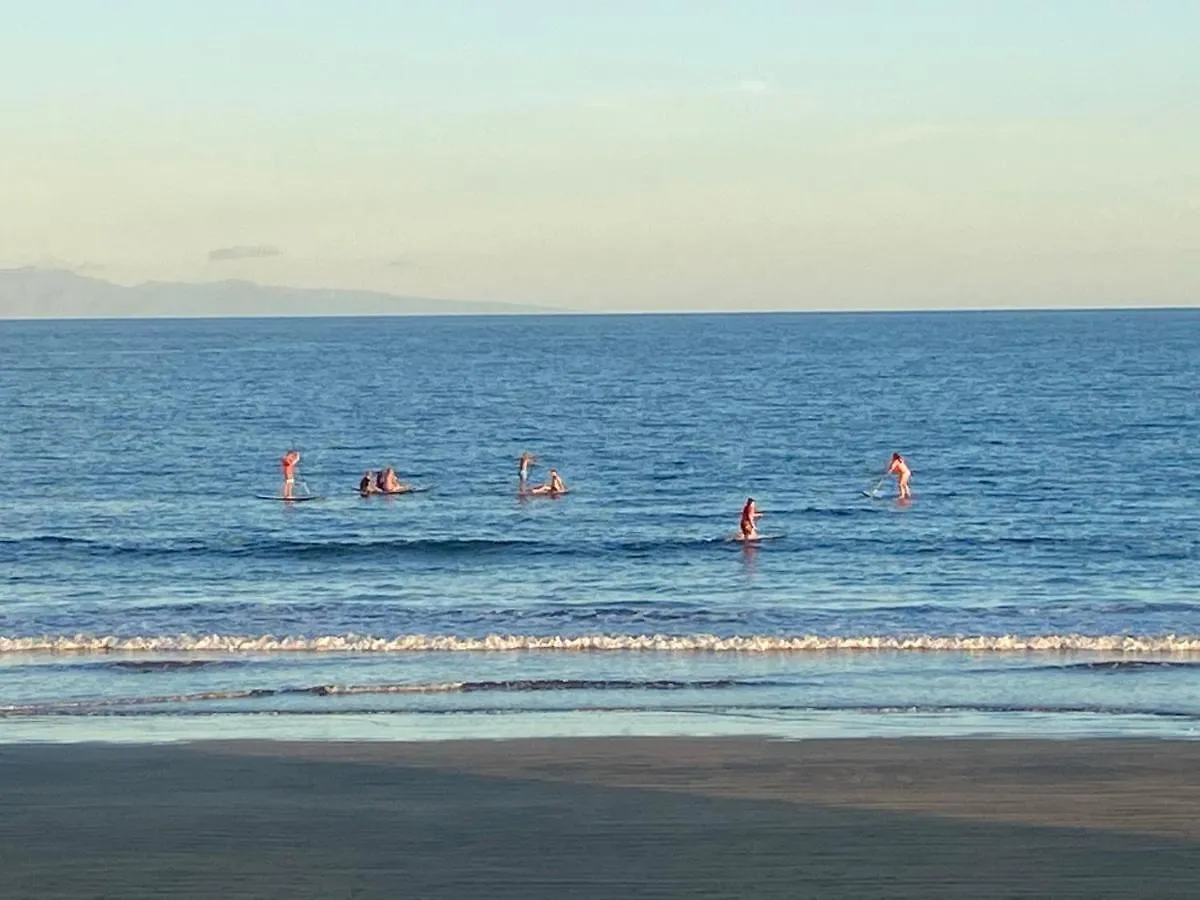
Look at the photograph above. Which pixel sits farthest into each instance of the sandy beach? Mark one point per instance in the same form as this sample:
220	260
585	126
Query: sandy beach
623	817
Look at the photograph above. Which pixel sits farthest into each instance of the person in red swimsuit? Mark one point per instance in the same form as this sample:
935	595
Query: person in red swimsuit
750	516
289	462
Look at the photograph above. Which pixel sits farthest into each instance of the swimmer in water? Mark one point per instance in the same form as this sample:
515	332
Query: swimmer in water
903	473
553	487
290	460
526	460
750	517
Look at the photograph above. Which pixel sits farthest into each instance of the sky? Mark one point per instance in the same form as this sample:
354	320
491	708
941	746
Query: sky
613	155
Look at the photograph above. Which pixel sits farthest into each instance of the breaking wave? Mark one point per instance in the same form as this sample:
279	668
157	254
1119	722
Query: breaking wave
693	643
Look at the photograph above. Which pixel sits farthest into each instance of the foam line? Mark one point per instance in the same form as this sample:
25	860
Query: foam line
698	643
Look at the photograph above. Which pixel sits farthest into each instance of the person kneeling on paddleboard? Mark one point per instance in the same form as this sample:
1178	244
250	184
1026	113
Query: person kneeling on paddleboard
388	483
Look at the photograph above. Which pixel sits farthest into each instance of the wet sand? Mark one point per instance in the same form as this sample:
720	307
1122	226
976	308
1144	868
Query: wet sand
592	818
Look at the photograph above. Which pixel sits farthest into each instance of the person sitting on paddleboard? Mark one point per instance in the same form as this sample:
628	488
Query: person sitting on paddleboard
367	485
553	487
903	473
289	462
750	516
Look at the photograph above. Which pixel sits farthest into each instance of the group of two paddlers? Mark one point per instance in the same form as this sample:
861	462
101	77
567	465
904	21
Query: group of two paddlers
385	480
747	527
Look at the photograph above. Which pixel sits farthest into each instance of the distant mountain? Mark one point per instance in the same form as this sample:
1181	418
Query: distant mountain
35	293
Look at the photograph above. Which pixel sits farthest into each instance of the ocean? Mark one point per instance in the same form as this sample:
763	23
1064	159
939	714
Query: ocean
1043	580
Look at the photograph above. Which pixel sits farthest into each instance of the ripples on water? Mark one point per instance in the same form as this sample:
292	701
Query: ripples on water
1054	525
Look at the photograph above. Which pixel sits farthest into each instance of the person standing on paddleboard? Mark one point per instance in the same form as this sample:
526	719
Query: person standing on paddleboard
903	473
526	460
290	460
750	516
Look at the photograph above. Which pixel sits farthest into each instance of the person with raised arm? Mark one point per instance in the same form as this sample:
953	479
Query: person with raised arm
288	463
526	460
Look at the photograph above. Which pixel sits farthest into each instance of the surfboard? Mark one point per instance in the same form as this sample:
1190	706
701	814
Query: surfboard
288	499
737	538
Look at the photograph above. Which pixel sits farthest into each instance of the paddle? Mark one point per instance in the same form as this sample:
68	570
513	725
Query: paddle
874	492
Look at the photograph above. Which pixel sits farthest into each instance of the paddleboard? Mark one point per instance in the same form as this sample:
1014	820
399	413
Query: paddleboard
288	499
416	490
550	495
737	537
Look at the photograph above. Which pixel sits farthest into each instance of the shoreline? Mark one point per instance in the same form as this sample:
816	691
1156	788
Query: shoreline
602	817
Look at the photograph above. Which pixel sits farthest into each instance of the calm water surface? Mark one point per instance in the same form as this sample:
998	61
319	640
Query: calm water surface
1045	577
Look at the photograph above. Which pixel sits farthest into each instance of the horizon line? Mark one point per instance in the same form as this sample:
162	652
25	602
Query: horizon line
566	312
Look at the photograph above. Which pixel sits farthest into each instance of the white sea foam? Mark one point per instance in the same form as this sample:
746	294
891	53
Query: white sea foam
700	643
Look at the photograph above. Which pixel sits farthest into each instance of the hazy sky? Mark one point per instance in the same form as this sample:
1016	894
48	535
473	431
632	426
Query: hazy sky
611	154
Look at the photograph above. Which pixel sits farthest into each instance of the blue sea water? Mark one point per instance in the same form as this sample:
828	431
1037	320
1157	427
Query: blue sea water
1043	579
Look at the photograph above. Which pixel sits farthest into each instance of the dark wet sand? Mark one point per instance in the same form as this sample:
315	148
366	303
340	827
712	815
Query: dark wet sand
626	818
